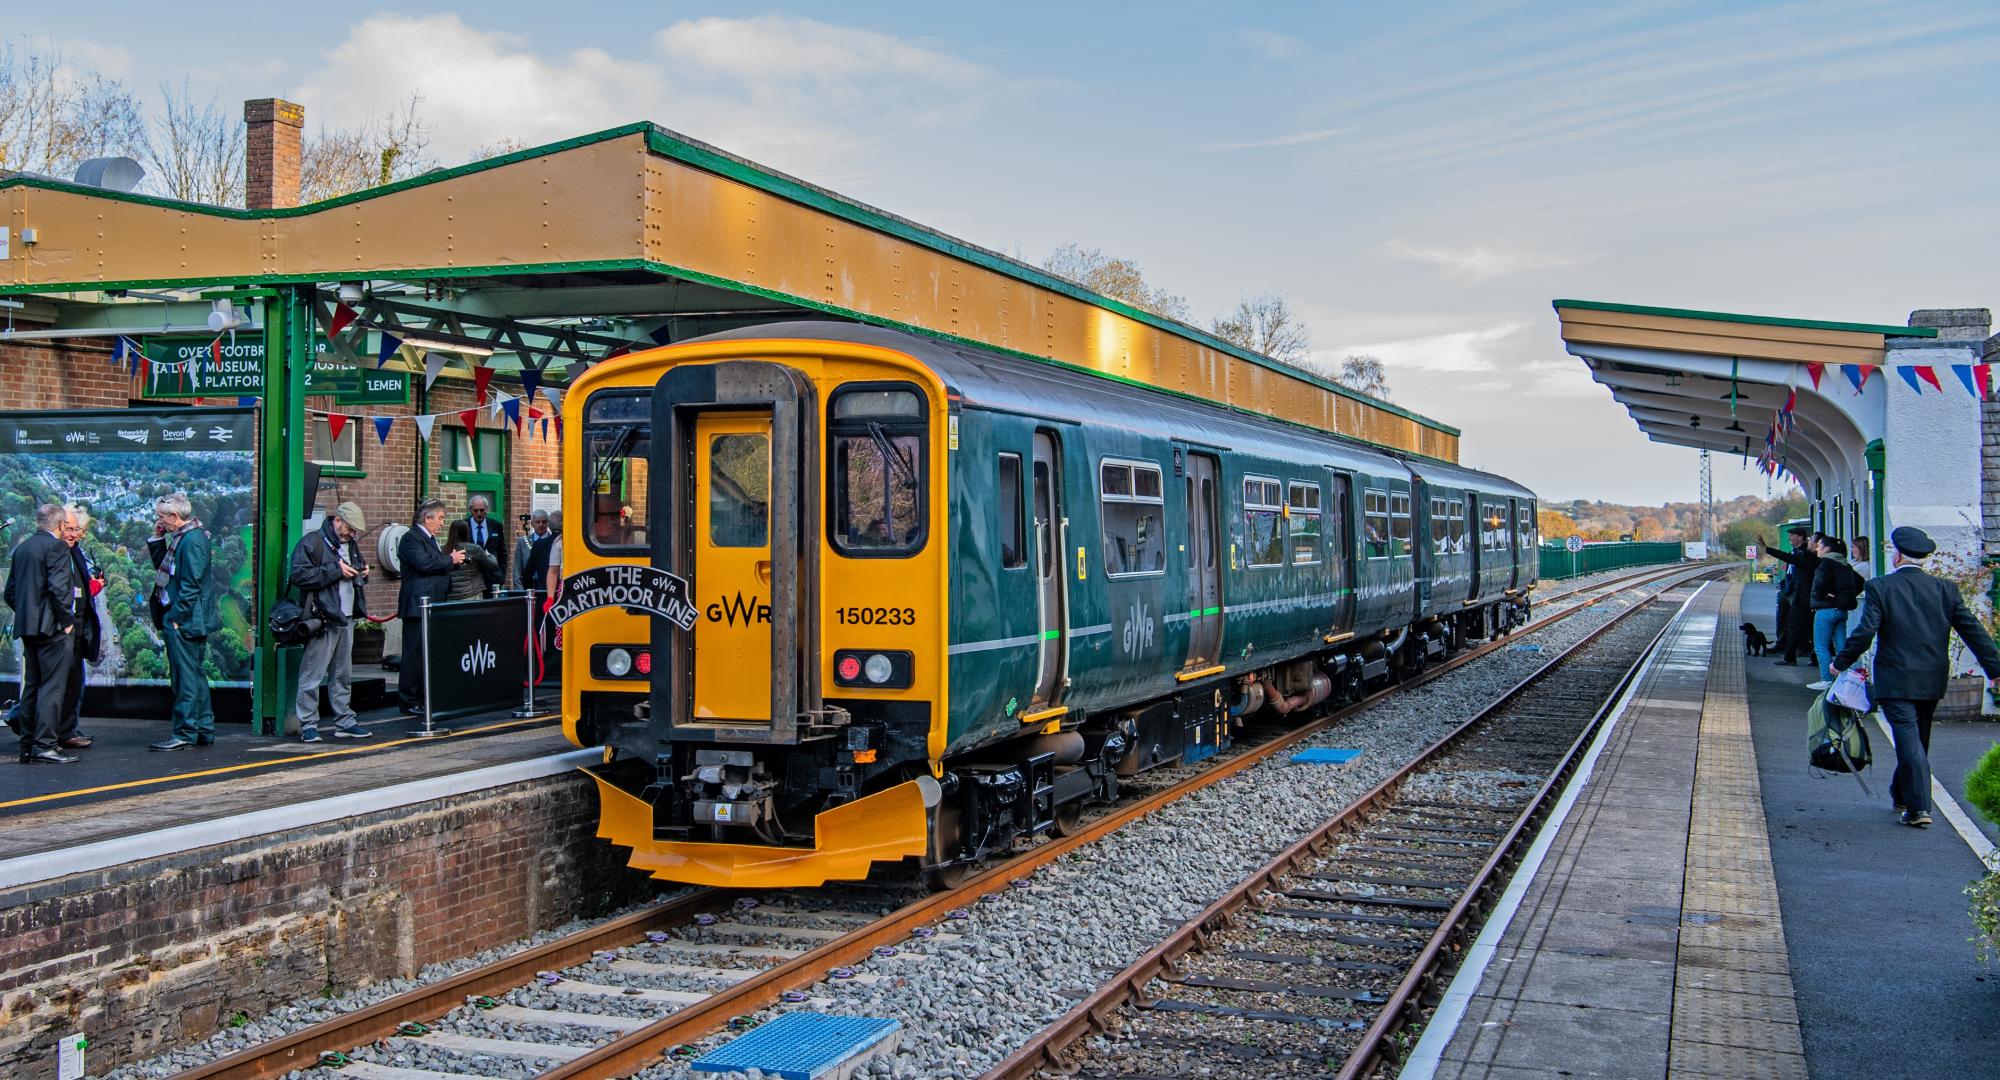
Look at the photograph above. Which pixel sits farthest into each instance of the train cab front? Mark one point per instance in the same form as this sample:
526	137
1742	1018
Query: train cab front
786	739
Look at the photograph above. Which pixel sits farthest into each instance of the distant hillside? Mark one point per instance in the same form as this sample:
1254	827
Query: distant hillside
1673	521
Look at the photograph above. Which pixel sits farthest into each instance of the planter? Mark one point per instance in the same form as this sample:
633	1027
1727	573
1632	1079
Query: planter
1963	697
367	646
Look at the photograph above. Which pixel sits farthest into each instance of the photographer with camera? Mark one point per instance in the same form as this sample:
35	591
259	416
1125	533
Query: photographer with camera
329	573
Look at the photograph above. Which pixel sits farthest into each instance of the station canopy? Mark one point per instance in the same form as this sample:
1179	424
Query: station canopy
567	253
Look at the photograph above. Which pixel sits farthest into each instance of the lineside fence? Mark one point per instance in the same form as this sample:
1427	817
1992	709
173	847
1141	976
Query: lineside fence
1560	562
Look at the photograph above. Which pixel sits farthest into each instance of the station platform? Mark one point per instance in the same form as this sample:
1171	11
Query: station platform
1710	906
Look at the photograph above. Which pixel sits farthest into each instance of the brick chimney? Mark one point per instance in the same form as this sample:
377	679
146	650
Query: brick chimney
271	153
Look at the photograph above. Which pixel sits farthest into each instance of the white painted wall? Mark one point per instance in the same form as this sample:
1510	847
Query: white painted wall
1932	452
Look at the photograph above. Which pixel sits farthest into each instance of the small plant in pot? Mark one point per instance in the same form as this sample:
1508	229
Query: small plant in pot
367	642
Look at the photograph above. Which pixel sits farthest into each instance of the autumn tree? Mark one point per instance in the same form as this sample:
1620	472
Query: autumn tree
1364	374
1265	324
54	117
1117	278
1555	525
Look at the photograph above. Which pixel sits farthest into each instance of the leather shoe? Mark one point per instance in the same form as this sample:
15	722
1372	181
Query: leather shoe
48	757
76	742
204	740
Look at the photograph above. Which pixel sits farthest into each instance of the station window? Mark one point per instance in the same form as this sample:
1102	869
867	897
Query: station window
1013	533
344	452
1456	509
617	460
1133	513
878	496
1400	535
1375	523
1303	501
1263	514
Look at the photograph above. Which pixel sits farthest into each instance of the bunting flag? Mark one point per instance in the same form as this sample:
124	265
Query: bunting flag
576	369
1857	375
558	429
1983	375
245	402
1791	399
545	429
390	343
124	351
512	407
1928	374
434	364
335	424
342	315
145	368
554	397
424	427
482	383
470	418
382	424
1909	375
1814	369
531	381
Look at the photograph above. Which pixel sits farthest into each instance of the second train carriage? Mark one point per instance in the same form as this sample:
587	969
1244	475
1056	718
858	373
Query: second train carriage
947	597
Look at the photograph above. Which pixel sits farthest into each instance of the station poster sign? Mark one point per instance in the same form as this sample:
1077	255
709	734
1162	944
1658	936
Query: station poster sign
187	367
115	462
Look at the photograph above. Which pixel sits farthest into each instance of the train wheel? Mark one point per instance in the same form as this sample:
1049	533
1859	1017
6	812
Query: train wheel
943	869
1069	818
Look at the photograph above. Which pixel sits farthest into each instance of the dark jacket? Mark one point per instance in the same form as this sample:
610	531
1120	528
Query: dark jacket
496	546
89	632
316	575
468	580
190	602
1835	584
538	563
426	573
41	586
1914	615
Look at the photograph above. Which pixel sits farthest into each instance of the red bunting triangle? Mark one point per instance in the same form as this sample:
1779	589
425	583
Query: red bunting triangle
482	377
335	424
1815	369
1928	374
1983	375
215	352
470	418
342	315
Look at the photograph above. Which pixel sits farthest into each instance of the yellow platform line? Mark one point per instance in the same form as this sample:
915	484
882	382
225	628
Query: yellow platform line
247	766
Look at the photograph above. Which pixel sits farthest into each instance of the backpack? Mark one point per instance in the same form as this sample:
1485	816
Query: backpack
1836	741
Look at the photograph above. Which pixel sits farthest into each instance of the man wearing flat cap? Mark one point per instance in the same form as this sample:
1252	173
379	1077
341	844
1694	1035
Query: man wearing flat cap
1910	616
329	573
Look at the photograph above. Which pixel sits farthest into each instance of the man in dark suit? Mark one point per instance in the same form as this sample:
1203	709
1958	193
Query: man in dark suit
1795	630
42	589
1913	614
183	606
489	535
89	632
426	576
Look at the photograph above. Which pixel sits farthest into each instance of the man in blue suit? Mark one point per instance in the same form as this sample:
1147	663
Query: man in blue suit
1910	616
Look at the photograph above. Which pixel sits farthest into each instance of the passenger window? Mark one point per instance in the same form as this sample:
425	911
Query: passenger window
1013	536
1400	535
878	466
1132	511
1263	514
1440	528
1493	529
1456	510
1527	522
739	491
617	454
1303	501
1375	523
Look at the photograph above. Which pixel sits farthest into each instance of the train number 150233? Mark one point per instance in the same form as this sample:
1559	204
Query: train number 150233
875	616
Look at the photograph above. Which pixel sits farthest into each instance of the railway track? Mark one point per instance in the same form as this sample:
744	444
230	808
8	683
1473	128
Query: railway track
1313	965
613	999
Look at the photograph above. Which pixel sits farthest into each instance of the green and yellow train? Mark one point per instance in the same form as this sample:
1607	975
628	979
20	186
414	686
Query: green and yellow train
948	597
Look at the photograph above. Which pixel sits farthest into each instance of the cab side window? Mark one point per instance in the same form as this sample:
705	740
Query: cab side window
878	463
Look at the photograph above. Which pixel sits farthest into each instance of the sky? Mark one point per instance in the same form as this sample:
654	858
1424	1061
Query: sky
1418	180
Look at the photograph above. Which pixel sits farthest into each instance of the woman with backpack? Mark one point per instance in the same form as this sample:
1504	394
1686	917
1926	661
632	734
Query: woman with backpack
1835	590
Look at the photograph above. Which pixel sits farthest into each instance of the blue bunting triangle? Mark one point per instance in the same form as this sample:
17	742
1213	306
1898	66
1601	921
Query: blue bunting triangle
531	382
382	428
1909	375
1964	373
512	407
390	343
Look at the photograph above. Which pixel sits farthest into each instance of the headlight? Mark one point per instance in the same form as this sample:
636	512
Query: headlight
618	662
878	669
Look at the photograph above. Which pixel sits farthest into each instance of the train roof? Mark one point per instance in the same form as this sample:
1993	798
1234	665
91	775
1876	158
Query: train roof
996	380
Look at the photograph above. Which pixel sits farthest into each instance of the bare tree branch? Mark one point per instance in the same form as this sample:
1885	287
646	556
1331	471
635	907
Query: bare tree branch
54	117
1365	374
1265	324
195	151
394	146
1120	279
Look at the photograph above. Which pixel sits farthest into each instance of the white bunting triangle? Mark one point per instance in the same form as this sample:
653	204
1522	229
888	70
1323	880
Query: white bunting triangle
434	362
424	426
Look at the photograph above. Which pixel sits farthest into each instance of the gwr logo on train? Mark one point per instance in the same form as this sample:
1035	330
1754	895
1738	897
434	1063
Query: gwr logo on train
730	608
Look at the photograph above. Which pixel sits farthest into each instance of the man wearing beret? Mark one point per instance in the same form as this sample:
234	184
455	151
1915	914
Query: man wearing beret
1913	614
329	573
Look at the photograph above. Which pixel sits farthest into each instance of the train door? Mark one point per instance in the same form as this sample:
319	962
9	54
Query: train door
1204	570
732	562
1425	566
1475	541
1507	537
1340	548
1051	588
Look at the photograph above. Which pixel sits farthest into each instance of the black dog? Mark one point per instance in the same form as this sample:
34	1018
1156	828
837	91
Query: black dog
1754	641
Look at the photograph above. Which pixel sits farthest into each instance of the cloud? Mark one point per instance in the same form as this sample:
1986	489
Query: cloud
800	95
1476	263
1274	45
1296	138
1460	351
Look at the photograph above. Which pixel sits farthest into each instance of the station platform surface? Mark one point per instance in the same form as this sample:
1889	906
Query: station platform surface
120	789
1711	906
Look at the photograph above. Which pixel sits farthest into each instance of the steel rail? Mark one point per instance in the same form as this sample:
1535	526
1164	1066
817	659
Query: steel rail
642	1046
1094	1012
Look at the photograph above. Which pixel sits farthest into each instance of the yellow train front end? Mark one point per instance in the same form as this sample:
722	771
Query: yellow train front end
797	486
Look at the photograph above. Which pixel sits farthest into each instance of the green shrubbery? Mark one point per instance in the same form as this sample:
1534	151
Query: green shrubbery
1982	790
